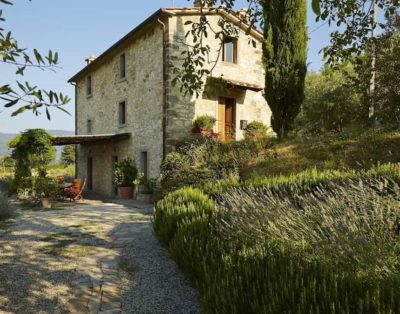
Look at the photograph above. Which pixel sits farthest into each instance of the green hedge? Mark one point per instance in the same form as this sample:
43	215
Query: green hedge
237	268
303	181
182	206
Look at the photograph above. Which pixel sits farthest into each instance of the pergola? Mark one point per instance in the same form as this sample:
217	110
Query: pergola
88	139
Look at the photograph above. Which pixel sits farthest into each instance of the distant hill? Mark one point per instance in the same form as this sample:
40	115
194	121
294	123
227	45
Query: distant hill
6	137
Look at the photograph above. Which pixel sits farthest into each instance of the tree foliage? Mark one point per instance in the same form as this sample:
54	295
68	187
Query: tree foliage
388	73
68	155
332	101
32	151
336	98
196	62
355	21
285	55
25	96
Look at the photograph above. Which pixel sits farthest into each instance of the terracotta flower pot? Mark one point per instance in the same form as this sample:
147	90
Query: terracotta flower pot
125	192
46	202
147	198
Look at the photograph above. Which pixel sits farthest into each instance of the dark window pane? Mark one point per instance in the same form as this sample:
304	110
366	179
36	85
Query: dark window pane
144	163
89	85
122	72
122	113
89	126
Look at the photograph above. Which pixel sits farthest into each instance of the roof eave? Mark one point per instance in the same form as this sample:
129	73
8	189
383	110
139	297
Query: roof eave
169	12
133	32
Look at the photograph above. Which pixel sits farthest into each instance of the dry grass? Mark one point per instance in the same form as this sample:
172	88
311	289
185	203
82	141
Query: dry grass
331	151
68	243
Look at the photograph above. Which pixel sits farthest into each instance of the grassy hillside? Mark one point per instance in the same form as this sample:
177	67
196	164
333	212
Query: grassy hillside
349	150
310	225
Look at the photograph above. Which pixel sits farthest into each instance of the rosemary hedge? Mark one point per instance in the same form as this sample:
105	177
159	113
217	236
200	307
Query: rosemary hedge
333	248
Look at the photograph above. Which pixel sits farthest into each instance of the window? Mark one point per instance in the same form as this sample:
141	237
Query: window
144	163
122	113
89	126
122	67
229	53
89	85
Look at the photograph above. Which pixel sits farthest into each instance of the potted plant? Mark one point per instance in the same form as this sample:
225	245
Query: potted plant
46	190
203	125
147	188
125	174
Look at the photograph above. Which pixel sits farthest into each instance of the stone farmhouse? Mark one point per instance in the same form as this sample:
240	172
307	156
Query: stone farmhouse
127	107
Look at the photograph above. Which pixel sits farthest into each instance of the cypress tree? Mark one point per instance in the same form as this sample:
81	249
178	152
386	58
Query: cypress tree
285	55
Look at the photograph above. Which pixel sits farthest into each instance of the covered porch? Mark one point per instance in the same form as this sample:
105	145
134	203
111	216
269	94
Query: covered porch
96	156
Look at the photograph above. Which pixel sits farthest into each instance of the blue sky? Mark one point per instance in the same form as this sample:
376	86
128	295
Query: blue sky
79	28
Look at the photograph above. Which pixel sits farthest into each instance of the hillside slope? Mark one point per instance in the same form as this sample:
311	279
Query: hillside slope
361	150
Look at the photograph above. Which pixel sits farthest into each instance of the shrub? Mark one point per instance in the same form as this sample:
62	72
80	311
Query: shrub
125	173
185	204
148	185
5	183
175	171
5	211
46	187
198	160
293	249
256	130
204	123
352	227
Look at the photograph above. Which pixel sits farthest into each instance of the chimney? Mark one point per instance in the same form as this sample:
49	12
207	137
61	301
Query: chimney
198	4
243	14
90	59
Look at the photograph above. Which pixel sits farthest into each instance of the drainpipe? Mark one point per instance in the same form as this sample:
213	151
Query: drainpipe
76	128
165	105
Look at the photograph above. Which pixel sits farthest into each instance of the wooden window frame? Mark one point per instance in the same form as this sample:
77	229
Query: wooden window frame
235	50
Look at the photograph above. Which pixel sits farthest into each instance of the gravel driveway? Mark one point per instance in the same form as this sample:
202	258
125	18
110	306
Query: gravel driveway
91	257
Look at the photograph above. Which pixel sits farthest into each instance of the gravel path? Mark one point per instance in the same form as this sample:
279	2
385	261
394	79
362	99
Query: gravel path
91	257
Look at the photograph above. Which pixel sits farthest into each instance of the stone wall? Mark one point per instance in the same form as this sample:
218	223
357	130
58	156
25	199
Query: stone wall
142	90
250	105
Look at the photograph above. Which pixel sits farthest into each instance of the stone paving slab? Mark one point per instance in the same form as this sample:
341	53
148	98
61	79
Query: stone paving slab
89	258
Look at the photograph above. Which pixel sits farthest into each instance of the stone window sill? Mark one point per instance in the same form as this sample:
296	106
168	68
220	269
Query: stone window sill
89	96
229	63
123	79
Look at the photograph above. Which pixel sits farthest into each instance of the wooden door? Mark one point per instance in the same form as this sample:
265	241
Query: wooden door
226	119
90	173
229	119
221	118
